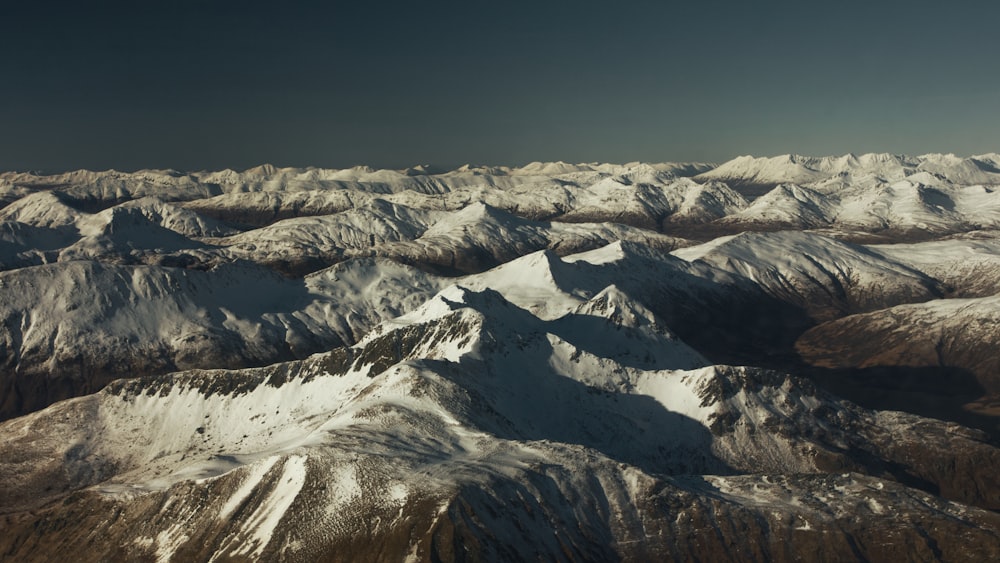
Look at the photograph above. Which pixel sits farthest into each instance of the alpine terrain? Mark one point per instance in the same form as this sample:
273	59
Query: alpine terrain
771	359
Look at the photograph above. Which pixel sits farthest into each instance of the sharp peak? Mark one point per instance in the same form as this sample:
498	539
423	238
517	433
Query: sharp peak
806	157
622	250
790	188
456	297
425	170
630	248
614	295
546	256
612	302
480	208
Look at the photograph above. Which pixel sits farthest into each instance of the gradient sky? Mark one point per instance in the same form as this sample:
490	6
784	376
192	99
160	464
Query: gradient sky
205	85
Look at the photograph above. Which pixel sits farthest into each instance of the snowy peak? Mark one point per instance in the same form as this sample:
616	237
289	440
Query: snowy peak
806	170
972	170
645	174
483	325
450	299
540	282
449	326
706	202
613	304
649	198
261	170
621	251
749	169
475	214
627	333
789	205
551	168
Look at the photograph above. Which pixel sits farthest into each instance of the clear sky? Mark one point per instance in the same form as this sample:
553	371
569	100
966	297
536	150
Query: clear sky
199	84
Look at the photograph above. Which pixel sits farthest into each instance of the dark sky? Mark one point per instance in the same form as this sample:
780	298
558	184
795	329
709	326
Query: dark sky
197	84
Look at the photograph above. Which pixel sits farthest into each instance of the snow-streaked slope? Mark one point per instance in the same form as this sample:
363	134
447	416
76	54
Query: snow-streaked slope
773	170
69	328
966	266
571	400
824	276
326	239
358	294
647	198
11	192
636	194
550	286
479	237
364	178
891	196
92	190
467	416
980	169
806	170
872	193
47	209
266	207
704	202
125	234
787	206
471	239
41	209
73	325
918	206
137	231
906	205
167	215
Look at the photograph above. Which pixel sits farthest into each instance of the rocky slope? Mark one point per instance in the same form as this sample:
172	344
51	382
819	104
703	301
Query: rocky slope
71	327
923	357
471	429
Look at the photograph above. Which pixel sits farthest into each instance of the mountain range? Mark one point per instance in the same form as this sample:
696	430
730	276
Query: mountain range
777	358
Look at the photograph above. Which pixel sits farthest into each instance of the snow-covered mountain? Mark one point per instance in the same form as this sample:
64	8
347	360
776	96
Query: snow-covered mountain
895	195
41	209
966	265
555	361
982	169
789	206
70	328
824	276
470	425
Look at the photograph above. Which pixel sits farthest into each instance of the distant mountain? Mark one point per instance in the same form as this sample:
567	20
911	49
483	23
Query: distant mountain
878	194
798	169
789	206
